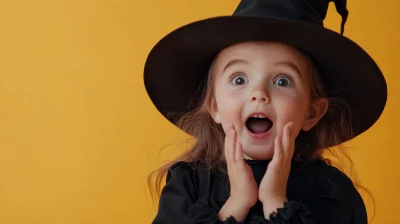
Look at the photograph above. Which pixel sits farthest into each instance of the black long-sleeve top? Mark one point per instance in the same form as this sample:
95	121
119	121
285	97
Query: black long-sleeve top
316	192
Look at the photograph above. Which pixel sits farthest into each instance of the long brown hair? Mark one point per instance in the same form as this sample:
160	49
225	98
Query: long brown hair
333	128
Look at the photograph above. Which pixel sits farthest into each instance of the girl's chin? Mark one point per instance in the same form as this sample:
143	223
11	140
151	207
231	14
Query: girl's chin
258	154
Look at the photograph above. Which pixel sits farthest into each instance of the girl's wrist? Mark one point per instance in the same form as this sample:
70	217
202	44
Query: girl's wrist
241	203
233	208
272	205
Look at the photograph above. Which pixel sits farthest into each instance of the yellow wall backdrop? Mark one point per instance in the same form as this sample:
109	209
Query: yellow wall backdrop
78	133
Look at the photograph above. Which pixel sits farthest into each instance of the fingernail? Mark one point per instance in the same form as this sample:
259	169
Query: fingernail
290	127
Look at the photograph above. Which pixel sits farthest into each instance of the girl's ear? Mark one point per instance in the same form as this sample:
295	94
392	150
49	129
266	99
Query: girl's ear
315	112
213	110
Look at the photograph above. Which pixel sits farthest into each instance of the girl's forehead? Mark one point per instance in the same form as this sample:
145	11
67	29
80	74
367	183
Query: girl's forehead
260	50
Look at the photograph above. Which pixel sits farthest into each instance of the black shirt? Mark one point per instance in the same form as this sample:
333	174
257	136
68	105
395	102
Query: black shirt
317	193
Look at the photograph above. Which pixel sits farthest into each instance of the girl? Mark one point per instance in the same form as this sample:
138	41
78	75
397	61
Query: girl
264	92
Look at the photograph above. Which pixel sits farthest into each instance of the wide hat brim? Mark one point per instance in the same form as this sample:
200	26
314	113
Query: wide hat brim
178	63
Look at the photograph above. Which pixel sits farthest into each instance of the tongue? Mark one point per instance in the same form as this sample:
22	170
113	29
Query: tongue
258	125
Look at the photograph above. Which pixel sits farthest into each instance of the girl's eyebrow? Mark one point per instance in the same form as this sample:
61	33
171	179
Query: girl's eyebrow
234	61
291	65
287	63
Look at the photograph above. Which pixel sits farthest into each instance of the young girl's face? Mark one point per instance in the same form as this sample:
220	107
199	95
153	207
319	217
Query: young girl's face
259	87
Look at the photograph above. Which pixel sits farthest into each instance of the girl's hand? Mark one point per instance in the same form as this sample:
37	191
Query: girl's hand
244	190
272	191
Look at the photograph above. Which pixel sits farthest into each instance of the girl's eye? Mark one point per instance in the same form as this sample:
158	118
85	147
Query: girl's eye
283	81
239	80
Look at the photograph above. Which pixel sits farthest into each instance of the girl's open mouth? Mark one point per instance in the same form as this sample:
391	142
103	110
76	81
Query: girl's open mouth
258	124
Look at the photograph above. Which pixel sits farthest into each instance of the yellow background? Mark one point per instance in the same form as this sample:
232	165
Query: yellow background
78	133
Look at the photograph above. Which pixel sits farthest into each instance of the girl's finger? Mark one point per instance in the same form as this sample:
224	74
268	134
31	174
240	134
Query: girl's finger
288	143
239	153
230	142
226	147
227	141
286	138
233	143
278	149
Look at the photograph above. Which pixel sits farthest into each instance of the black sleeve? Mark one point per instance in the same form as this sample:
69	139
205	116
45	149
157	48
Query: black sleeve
336	200
179	203
293	212
333	200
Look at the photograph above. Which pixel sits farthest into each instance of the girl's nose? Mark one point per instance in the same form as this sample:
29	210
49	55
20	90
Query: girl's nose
260	97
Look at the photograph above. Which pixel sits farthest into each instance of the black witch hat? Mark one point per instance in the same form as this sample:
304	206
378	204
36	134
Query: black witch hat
178	63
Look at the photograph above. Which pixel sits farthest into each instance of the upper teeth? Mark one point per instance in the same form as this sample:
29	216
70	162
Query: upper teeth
258	116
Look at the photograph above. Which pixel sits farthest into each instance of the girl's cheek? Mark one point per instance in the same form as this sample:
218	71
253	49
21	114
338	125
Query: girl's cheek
291	107
232	94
